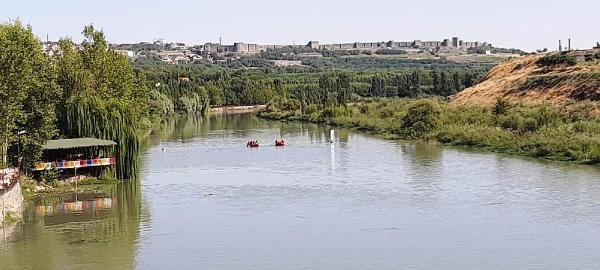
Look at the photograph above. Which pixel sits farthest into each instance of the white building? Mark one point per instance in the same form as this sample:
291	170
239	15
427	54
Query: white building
126	53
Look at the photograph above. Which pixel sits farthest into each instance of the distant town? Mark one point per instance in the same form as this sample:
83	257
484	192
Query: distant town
175	52
454	49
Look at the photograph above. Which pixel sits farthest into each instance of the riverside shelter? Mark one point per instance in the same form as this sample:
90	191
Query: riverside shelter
89	156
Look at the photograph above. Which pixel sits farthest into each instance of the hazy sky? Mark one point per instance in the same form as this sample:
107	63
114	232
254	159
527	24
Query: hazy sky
526	24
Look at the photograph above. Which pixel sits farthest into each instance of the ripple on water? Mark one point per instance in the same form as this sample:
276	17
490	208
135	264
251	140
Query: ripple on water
207	201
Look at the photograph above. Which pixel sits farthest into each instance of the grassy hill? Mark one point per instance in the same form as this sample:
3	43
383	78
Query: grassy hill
569	79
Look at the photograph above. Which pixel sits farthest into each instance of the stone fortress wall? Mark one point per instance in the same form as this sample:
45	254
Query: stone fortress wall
246	48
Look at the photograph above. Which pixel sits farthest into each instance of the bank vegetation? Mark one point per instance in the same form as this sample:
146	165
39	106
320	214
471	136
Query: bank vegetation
539	131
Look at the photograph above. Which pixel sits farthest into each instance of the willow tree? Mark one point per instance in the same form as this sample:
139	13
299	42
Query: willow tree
104	97
28	93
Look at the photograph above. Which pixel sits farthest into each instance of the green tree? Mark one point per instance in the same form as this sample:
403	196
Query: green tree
415	83
469	80
422	117
377	86
28	93
103	97
215	93
343	88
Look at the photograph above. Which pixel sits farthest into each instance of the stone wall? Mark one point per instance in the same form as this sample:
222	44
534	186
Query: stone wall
11	200
240	48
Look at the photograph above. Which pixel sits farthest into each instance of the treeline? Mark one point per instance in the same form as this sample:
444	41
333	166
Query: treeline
390	52
85	91
372	63
191	88
422	83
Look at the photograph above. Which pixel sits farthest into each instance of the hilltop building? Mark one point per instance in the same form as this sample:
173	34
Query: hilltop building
127	53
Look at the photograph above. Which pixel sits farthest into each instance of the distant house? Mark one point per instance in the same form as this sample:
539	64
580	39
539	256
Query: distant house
51	48
127	53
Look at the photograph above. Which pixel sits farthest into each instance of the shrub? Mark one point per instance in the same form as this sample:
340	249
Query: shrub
341	111
49	176
390	52
387	112
474	135
511	122
328	113
501	107
10	218
592	57
312	108
529	124
557	59
421	118
364	109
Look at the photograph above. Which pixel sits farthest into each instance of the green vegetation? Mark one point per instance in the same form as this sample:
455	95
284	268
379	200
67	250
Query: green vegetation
390	52
247	87
28	187
557	59
9	218
536	131
28	90
86	92
380	63
49	184
483	49
592	57
102	97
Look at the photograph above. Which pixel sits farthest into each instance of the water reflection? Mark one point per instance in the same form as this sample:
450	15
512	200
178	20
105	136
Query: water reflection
82	231
209	202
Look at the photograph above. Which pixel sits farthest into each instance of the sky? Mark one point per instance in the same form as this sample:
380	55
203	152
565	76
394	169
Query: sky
524	24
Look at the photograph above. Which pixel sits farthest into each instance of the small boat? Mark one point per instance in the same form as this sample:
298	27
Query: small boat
252	144
280	143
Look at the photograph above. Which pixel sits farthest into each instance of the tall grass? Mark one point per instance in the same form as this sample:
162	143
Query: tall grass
536	131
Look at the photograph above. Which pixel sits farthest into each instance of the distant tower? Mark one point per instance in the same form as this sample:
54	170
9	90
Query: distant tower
455	42
220	40
560	45
569	44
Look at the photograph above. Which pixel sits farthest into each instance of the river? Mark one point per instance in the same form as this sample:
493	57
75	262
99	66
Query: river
206	201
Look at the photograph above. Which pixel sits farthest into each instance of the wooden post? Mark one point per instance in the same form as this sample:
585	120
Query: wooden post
76	185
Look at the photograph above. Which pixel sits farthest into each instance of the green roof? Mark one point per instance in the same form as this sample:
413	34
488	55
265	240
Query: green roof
76	143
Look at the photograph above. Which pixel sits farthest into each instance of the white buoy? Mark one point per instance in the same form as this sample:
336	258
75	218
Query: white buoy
332	136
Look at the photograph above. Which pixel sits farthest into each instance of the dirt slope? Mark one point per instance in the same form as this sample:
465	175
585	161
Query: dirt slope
526	80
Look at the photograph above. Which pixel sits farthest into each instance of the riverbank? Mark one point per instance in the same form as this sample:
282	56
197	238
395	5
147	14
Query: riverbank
237	109
32	188
534	131
12	203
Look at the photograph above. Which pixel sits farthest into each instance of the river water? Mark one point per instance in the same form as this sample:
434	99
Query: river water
205	201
